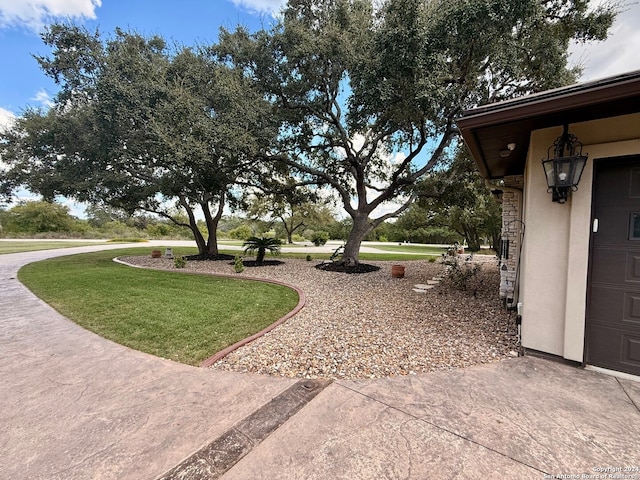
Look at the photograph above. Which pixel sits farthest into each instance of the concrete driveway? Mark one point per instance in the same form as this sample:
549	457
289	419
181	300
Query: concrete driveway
76	406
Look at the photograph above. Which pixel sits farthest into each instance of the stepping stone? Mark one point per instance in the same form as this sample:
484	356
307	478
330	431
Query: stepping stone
422	288
433	282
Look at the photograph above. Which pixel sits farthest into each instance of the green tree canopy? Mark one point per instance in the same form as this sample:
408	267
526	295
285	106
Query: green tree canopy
369	92
294	207
139	126
32	217
456	197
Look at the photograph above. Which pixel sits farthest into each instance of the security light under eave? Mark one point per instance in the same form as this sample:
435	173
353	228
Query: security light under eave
563	172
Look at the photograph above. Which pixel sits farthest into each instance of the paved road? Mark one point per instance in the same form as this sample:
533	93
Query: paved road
76	406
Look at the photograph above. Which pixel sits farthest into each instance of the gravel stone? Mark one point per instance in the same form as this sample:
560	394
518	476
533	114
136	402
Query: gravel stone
372	325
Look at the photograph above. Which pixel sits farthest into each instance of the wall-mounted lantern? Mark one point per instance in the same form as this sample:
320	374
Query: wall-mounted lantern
563	172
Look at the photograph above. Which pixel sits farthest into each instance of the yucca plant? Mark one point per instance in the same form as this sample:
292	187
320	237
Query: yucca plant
261	245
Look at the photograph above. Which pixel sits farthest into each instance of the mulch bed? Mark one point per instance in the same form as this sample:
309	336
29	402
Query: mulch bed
342	268
208	256
265	263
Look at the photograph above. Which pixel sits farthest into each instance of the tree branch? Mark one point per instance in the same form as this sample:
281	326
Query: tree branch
394	214
328	179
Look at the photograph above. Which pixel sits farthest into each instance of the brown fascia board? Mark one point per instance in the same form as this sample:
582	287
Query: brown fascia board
473	145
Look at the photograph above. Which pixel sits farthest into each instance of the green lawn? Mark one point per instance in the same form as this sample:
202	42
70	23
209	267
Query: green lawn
408	248
325	256
16	246
239	243
174	315
423	249
391	257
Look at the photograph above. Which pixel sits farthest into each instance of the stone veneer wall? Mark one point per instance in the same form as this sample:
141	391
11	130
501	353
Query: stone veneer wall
512	230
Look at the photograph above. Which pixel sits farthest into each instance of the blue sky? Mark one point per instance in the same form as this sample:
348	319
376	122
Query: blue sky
23	84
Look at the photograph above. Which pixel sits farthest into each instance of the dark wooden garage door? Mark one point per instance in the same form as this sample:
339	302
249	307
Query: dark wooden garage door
613	310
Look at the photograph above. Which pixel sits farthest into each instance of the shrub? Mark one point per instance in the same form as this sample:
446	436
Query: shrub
158	230
180	262
127	240
319	238
241	233
261	245
462	274
238	266
309	258
33	217
297	238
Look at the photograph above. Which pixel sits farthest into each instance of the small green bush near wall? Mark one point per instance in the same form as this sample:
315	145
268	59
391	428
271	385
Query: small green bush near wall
238	266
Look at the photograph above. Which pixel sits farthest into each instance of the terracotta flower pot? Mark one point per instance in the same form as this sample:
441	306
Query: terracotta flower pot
397	271
156	253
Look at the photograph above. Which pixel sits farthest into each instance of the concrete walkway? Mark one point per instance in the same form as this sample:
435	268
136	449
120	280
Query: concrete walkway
76	406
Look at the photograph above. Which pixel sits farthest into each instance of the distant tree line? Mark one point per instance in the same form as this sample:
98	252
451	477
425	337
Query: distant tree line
42	219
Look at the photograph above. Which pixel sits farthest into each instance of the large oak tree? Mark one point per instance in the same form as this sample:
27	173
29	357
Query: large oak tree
369	92
140	126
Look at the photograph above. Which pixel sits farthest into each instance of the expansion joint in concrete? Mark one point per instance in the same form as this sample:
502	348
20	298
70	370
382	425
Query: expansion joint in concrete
217	457
628	396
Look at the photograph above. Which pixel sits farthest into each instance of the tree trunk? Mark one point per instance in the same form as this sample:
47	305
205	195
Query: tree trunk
193	226
212	240
289	228
361	227
260	256
289	237
472	237
212	224
200	242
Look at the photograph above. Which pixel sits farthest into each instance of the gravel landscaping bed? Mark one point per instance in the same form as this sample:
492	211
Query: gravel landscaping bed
371	325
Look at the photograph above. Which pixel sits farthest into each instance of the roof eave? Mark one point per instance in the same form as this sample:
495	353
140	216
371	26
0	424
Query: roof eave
570	104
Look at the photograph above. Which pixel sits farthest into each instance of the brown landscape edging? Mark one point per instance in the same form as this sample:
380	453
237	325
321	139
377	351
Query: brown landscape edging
223	353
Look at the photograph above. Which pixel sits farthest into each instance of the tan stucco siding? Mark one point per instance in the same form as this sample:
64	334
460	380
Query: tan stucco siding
544	259
556	246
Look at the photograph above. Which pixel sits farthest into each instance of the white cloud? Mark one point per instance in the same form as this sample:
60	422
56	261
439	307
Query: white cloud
269	6
618	54
397	158
76	209
43	98
24	195
34	14
6	118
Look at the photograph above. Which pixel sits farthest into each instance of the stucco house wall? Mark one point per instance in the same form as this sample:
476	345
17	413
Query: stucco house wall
555	260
